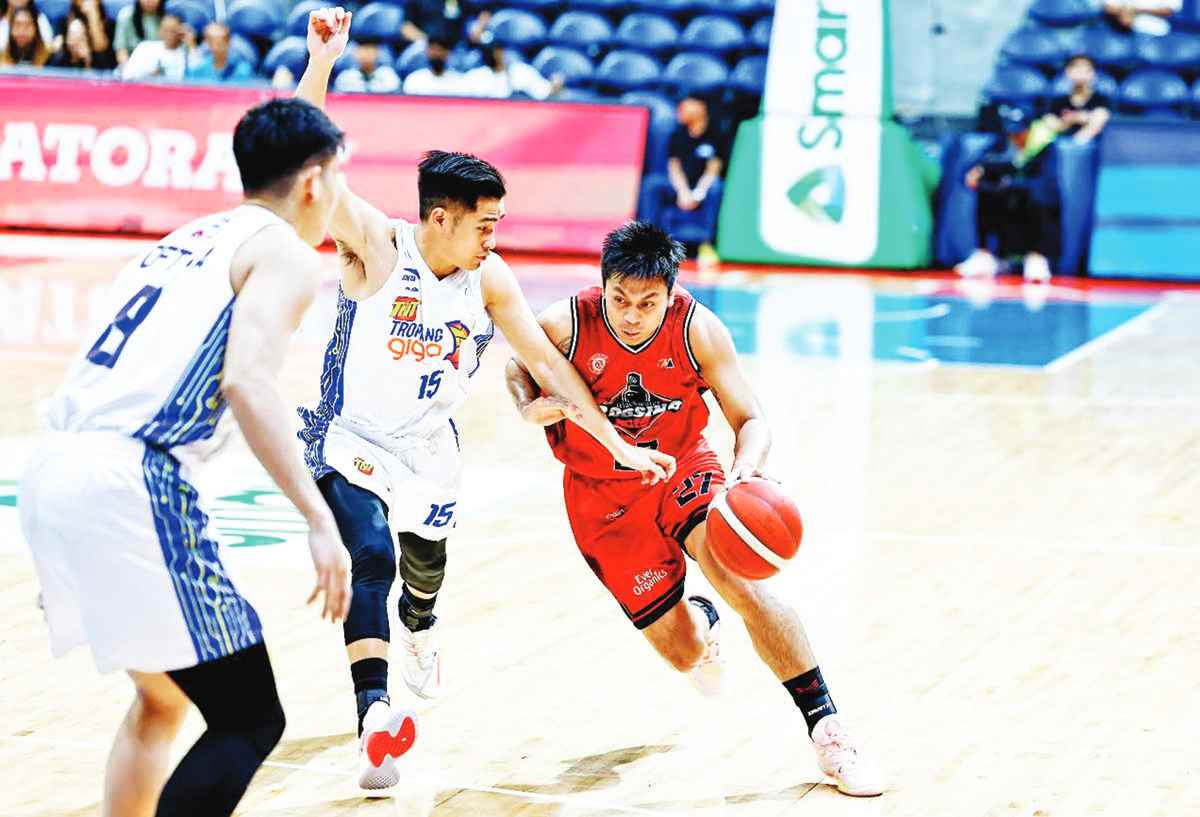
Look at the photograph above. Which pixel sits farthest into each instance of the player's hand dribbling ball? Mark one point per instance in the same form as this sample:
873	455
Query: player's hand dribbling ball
754	529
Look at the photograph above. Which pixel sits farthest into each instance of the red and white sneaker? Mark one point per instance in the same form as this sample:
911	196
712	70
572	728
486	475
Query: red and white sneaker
839	755
707	675
388	735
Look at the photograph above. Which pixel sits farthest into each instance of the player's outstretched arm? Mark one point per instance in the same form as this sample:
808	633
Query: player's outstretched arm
715	353
555	375
362	231
535	407
275	278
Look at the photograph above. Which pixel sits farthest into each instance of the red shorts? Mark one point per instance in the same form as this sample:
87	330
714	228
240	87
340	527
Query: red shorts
632	536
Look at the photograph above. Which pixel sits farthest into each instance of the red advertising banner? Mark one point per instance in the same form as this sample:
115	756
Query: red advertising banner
98	155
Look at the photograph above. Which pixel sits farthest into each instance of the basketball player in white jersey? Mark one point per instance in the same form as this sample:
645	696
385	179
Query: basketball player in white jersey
417	306
108	505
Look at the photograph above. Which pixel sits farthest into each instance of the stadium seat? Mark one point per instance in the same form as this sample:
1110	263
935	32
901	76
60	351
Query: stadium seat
610	8
1178	51
694	73
379	22
113	7
1034	46
1196	99
745	9
1063	12
195	14
297	19
1104	84
760	35
1154	92
239	46
1016	84
579	95
545	8
642	31
719	35
1110	50
411	59
627	71
582	30
575	67
55	11
255	21
679	9
517	28
658	134
290	52
749	76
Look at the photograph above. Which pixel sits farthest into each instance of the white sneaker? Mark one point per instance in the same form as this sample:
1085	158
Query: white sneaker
420	661
980	264
706	676
1037	269
387	736
839	756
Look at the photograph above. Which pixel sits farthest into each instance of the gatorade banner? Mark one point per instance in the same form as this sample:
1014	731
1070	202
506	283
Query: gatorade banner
81	154
823	176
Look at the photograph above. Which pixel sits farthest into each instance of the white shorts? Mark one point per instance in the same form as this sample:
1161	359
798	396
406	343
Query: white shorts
418	482
124	559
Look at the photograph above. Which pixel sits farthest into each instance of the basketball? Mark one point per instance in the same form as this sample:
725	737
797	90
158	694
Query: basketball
754	529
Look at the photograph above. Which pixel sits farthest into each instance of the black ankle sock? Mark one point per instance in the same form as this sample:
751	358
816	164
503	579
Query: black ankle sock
370	684
809	692
415	612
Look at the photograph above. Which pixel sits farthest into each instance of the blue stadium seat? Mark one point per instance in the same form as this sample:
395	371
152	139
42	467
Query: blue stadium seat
545	8
1177	51
582	30
580	95
642	31
1063	12
290	52
760	34
627	71
379	22
607	7
195	14
517	28
658	134
1104	84
1016	84
679	9
744	9
1154	92
1109	49
1196	99
254	20
297	19
719	35
55	11
694	73
411	59
113	7
749	76
574	66
240	47
1034	46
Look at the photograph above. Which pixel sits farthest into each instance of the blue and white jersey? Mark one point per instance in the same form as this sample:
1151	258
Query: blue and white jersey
400	362
153	372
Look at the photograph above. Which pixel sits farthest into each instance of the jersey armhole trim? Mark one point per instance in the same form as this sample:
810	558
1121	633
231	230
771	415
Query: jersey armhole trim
687	336
574	328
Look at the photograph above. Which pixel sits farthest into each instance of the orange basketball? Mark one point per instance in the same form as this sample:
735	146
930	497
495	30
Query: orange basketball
754	529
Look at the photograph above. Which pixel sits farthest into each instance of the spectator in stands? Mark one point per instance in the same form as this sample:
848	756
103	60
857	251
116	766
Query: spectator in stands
24	44
445	19
164	58
136	23
1143	16
98	26
368	77
696	159
1083	112
438	79
1017	202
501	76
75	49
8	7
218	65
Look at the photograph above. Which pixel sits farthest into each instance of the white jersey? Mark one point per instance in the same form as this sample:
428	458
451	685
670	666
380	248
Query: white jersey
154	372
400	362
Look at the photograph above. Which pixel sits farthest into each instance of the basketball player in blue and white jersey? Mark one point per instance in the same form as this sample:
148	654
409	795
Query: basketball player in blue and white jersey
120	540
417	306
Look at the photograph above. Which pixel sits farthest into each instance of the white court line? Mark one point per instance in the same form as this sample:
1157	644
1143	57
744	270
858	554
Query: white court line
1132	326
567	799
906	315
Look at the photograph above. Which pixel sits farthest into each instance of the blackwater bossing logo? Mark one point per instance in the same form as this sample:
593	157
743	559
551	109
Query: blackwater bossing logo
634	409
821	194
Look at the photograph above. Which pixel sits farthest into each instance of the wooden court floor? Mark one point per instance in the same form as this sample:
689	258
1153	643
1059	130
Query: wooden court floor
1000	575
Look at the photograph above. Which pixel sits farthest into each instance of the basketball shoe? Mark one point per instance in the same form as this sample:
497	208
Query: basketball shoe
839	755
706	675
388	735
420	661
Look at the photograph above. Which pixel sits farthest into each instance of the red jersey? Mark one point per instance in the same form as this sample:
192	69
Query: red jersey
652	394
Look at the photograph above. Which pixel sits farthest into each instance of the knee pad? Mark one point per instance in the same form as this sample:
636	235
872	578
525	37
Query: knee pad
422	563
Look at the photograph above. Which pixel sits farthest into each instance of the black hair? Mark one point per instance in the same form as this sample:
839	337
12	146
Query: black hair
139	26
1080	56
275	140
640	250
445	177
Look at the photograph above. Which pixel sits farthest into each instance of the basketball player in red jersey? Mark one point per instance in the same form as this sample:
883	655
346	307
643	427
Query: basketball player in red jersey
649	351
